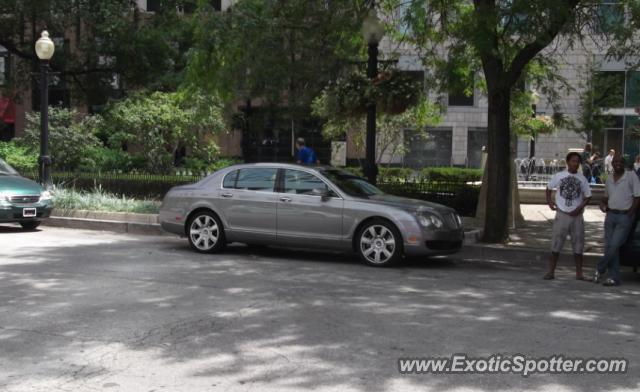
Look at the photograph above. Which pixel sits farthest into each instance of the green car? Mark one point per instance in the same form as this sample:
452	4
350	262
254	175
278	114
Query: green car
21	200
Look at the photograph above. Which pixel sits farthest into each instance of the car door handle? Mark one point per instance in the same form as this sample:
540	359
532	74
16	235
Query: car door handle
285	199
226	194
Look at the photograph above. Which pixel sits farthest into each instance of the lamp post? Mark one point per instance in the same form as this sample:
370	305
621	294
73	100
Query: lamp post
373	31
44	51
535	99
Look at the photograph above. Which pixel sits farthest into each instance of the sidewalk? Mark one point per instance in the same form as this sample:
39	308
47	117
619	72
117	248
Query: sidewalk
535	234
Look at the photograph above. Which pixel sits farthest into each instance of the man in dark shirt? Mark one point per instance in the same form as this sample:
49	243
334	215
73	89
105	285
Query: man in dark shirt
305	155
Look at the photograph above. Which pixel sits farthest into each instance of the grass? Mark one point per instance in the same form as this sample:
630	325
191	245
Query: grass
100	200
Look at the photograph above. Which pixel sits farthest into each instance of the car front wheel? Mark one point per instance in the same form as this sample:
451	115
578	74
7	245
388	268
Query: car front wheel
205	232
379	244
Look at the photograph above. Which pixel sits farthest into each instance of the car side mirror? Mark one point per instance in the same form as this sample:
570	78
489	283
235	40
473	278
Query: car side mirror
323	193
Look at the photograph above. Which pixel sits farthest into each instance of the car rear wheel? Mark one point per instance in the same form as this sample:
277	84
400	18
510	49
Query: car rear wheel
379	244
205	232
30	225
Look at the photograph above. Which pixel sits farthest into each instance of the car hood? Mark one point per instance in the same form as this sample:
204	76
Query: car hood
408	204
17	185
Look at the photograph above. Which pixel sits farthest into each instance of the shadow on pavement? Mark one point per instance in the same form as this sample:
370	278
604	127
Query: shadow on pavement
116	308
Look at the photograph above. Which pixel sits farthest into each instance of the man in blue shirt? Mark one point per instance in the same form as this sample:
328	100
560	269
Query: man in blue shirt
305	155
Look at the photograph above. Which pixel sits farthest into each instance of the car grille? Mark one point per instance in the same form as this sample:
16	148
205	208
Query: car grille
452	221
24	199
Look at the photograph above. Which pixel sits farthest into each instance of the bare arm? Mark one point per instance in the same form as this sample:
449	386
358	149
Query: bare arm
550	202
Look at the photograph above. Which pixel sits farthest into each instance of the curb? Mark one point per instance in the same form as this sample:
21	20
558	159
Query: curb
100	222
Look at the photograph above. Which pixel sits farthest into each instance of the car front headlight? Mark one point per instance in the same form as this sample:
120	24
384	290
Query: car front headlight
430	220
4	199
46	196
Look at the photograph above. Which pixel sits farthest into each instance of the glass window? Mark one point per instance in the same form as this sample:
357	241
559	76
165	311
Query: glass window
4	66
262	179
458	97
608	89
609	16
632	137
229	181
633	89
153	5
303	183
350	184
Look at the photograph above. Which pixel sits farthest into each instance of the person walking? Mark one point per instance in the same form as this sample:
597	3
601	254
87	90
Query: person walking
620	203
607	161
305	155
585	159
572	195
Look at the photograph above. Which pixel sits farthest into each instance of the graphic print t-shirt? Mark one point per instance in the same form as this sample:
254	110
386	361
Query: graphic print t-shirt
571	190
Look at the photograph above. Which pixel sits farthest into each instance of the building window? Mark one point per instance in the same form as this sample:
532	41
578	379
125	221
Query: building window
609	16
476	140
153	5
618	89
4	66
433	150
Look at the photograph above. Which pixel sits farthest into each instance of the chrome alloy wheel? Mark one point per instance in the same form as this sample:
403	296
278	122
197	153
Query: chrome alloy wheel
377	244
204	233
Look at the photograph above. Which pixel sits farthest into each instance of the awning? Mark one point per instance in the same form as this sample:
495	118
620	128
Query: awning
7	111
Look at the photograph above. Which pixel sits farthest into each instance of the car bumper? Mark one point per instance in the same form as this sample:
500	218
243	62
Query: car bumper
173	228
14	213
441	242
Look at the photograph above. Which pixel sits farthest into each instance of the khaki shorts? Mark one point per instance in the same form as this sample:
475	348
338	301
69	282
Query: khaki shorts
564	225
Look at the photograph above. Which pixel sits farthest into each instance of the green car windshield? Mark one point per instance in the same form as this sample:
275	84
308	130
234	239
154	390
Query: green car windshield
350	184
6	170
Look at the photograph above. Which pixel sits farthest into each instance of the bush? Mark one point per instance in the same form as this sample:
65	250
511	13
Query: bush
451	174
394	173
98	199
69	137
19	157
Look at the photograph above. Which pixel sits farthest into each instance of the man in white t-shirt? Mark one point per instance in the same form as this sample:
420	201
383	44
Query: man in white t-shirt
607	162
621	201
572	195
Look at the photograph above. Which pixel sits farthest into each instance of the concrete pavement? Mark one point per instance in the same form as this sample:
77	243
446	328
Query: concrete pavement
88	310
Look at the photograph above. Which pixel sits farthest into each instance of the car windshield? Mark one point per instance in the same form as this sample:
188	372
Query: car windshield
6	170
350	184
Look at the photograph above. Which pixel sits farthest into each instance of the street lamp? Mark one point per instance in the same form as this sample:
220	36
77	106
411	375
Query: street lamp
373	31
535	99
44	51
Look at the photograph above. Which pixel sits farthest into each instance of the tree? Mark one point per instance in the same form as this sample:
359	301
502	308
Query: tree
501	38
282	52
102	39
158	125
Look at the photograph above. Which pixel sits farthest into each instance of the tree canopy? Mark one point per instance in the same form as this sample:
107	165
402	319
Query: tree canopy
499	40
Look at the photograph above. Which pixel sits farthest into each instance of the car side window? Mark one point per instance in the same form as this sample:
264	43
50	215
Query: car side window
302	183
258	179
230	180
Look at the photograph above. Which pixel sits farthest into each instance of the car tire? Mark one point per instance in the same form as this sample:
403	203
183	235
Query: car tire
379	243
205	232
30	225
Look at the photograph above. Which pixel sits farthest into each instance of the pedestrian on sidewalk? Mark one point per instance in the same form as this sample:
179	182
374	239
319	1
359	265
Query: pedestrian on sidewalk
572	195
305	155
620	203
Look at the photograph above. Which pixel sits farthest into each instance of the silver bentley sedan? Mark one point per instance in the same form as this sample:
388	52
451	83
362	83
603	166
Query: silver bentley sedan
307	207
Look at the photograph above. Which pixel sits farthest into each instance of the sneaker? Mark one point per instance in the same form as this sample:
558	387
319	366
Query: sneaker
597	277
611	282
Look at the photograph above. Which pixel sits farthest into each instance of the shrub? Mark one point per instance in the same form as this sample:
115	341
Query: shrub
451	174
69	137
21	158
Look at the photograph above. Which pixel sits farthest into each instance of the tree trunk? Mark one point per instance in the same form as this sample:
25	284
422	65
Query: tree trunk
498	166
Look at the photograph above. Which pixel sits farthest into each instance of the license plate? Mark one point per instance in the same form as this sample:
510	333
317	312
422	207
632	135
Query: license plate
28	212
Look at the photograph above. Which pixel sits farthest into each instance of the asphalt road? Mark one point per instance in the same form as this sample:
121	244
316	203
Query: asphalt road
95	311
